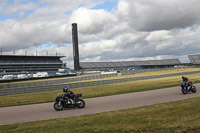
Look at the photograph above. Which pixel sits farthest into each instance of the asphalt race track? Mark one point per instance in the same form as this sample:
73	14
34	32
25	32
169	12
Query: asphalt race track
45	111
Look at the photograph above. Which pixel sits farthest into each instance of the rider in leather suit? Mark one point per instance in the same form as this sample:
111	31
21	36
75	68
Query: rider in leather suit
185	79
68	93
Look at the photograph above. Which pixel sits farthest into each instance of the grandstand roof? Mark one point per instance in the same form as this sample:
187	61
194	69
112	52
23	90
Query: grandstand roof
29	56
166	62
18	59
195	59
17	63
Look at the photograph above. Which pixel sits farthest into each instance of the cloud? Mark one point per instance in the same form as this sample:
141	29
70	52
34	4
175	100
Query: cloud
47	23
17	9
135	30
92	24
158	36
28	34
159	14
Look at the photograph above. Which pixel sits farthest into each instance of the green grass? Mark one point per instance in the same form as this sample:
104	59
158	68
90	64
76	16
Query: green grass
178	116
97	91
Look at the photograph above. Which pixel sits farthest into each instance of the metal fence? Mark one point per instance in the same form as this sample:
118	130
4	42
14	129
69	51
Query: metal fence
43	88
72	79
130	72
55	81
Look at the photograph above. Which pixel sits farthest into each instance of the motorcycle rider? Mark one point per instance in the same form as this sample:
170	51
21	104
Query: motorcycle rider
185	79
69	94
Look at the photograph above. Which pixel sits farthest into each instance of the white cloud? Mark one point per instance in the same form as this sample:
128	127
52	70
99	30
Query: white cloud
158	36
92	23
7	9
135	30
159	14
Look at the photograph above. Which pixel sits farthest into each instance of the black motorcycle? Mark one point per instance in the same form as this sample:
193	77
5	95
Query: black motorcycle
64	101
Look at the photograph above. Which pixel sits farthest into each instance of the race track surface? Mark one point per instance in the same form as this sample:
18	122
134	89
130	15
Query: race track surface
45	111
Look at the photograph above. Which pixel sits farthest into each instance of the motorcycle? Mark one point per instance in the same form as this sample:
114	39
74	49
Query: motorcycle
63	101
186	88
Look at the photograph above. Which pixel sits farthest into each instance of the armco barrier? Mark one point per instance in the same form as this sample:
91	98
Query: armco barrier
55	81
74	79
31	89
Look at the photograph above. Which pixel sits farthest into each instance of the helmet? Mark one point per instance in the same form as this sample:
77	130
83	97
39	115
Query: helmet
183	77
65	89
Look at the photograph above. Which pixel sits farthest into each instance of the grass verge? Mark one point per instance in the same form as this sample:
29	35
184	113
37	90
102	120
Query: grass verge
97	91
178	116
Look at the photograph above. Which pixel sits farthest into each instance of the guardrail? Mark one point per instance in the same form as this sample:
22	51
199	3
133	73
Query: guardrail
74	79
43	88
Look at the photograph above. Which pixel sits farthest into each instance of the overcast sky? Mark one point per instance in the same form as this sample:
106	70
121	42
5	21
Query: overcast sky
109	30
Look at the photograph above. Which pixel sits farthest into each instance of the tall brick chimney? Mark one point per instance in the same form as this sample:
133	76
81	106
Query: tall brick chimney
75	47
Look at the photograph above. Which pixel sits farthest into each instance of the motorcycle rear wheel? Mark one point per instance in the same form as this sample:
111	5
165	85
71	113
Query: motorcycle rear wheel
58	107
80	103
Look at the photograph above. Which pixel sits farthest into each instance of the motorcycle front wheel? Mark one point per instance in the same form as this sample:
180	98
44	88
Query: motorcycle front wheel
80	103
184	91
194	90
58	107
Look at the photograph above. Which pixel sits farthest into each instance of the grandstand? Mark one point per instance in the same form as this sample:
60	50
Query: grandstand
16	63
130	64
195	59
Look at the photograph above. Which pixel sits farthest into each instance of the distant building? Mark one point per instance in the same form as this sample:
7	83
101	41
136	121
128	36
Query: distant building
17	63
149	64
195	59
